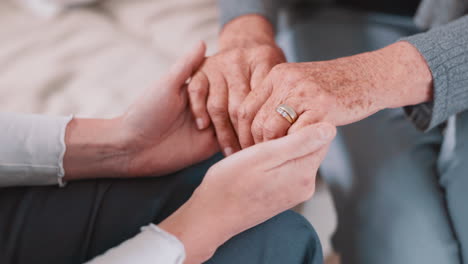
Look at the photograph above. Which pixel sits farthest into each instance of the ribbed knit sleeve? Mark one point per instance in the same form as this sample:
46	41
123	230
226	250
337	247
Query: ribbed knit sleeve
230	9
445	49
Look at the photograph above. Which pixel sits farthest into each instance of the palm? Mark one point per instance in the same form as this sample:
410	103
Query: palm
163	128
183	142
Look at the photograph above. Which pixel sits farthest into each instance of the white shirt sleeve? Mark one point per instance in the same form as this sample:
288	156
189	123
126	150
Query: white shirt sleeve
152	245
31	153
31	149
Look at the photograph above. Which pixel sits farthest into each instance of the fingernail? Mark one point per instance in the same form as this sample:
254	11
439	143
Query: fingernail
228	151
325	131
199	123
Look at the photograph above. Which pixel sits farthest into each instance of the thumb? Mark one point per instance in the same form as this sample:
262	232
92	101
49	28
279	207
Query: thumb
185	66
304	142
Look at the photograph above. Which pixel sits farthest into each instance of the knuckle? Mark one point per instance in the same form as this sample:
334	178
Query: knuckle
239	88
278	73
233	114
286	71
256	130
268	51
265	51
269	132
292	78
196	88
244	114
216	108
279	68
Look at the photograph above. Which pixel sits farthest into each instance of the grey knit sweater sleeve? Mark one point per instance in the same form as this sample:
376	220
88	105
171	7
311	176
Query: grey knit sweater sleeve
445	49
230	9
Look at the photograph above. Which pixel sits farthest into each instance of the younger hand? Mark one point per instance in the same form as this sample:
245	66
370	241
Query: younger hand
156	136
248	188
160	127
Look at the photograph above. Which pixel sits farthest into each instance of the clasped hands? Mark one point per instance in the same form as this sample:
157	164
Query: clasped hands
236	93
158	135
238	89
230	105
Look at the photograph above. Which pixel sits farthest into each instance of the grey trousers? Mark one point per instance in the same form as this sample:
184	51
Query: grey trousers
51	225
400	194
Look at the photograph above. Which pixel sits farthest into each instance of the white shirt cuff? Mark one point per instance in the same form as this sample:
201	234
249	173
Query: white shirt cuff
152	245
32	149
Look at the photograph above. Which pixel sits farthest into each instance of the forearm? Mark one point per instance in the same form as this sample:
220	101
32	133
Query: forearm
200	229
403	76
41	150
94	149
426	74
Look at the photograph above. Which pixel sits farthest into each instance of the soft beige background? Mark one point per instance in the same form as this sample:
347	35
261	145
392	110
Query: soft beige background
94	61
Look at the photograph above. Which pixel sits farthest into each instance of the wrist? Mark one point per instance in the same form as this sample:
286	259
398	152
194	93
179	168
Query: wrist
197	229
405	76
247	31
94	149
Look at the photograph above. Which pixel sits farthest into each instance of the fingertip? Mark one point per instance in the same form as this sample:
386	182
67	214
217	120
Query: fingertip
186	65
202	122
195	55
228	151
200	47
202	43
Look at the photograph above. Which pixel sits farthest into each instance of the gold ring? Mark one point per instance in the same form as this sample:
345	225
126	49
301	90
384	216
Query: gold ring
287	112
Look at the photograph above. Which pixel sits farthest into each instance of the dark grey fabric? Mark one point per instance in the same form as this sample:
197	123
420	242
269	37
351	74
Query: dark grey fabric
452	171
229	9
73	224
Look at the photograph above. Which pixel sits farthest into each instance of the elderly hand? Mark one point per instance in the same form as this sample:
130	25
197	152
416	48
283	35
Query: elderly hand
340	91
247	54
156	136
248	188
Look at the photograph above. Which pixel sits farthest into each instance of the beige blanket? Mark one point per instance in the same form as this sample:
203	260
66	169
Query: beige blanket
93	61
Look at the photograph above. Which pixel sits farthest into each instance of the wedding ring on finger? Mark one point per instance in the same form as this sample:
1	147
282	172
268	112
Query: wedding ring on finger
287	112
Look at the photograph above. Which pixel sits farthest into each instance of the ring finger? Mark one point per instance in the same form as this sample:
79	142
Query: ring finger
271	124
